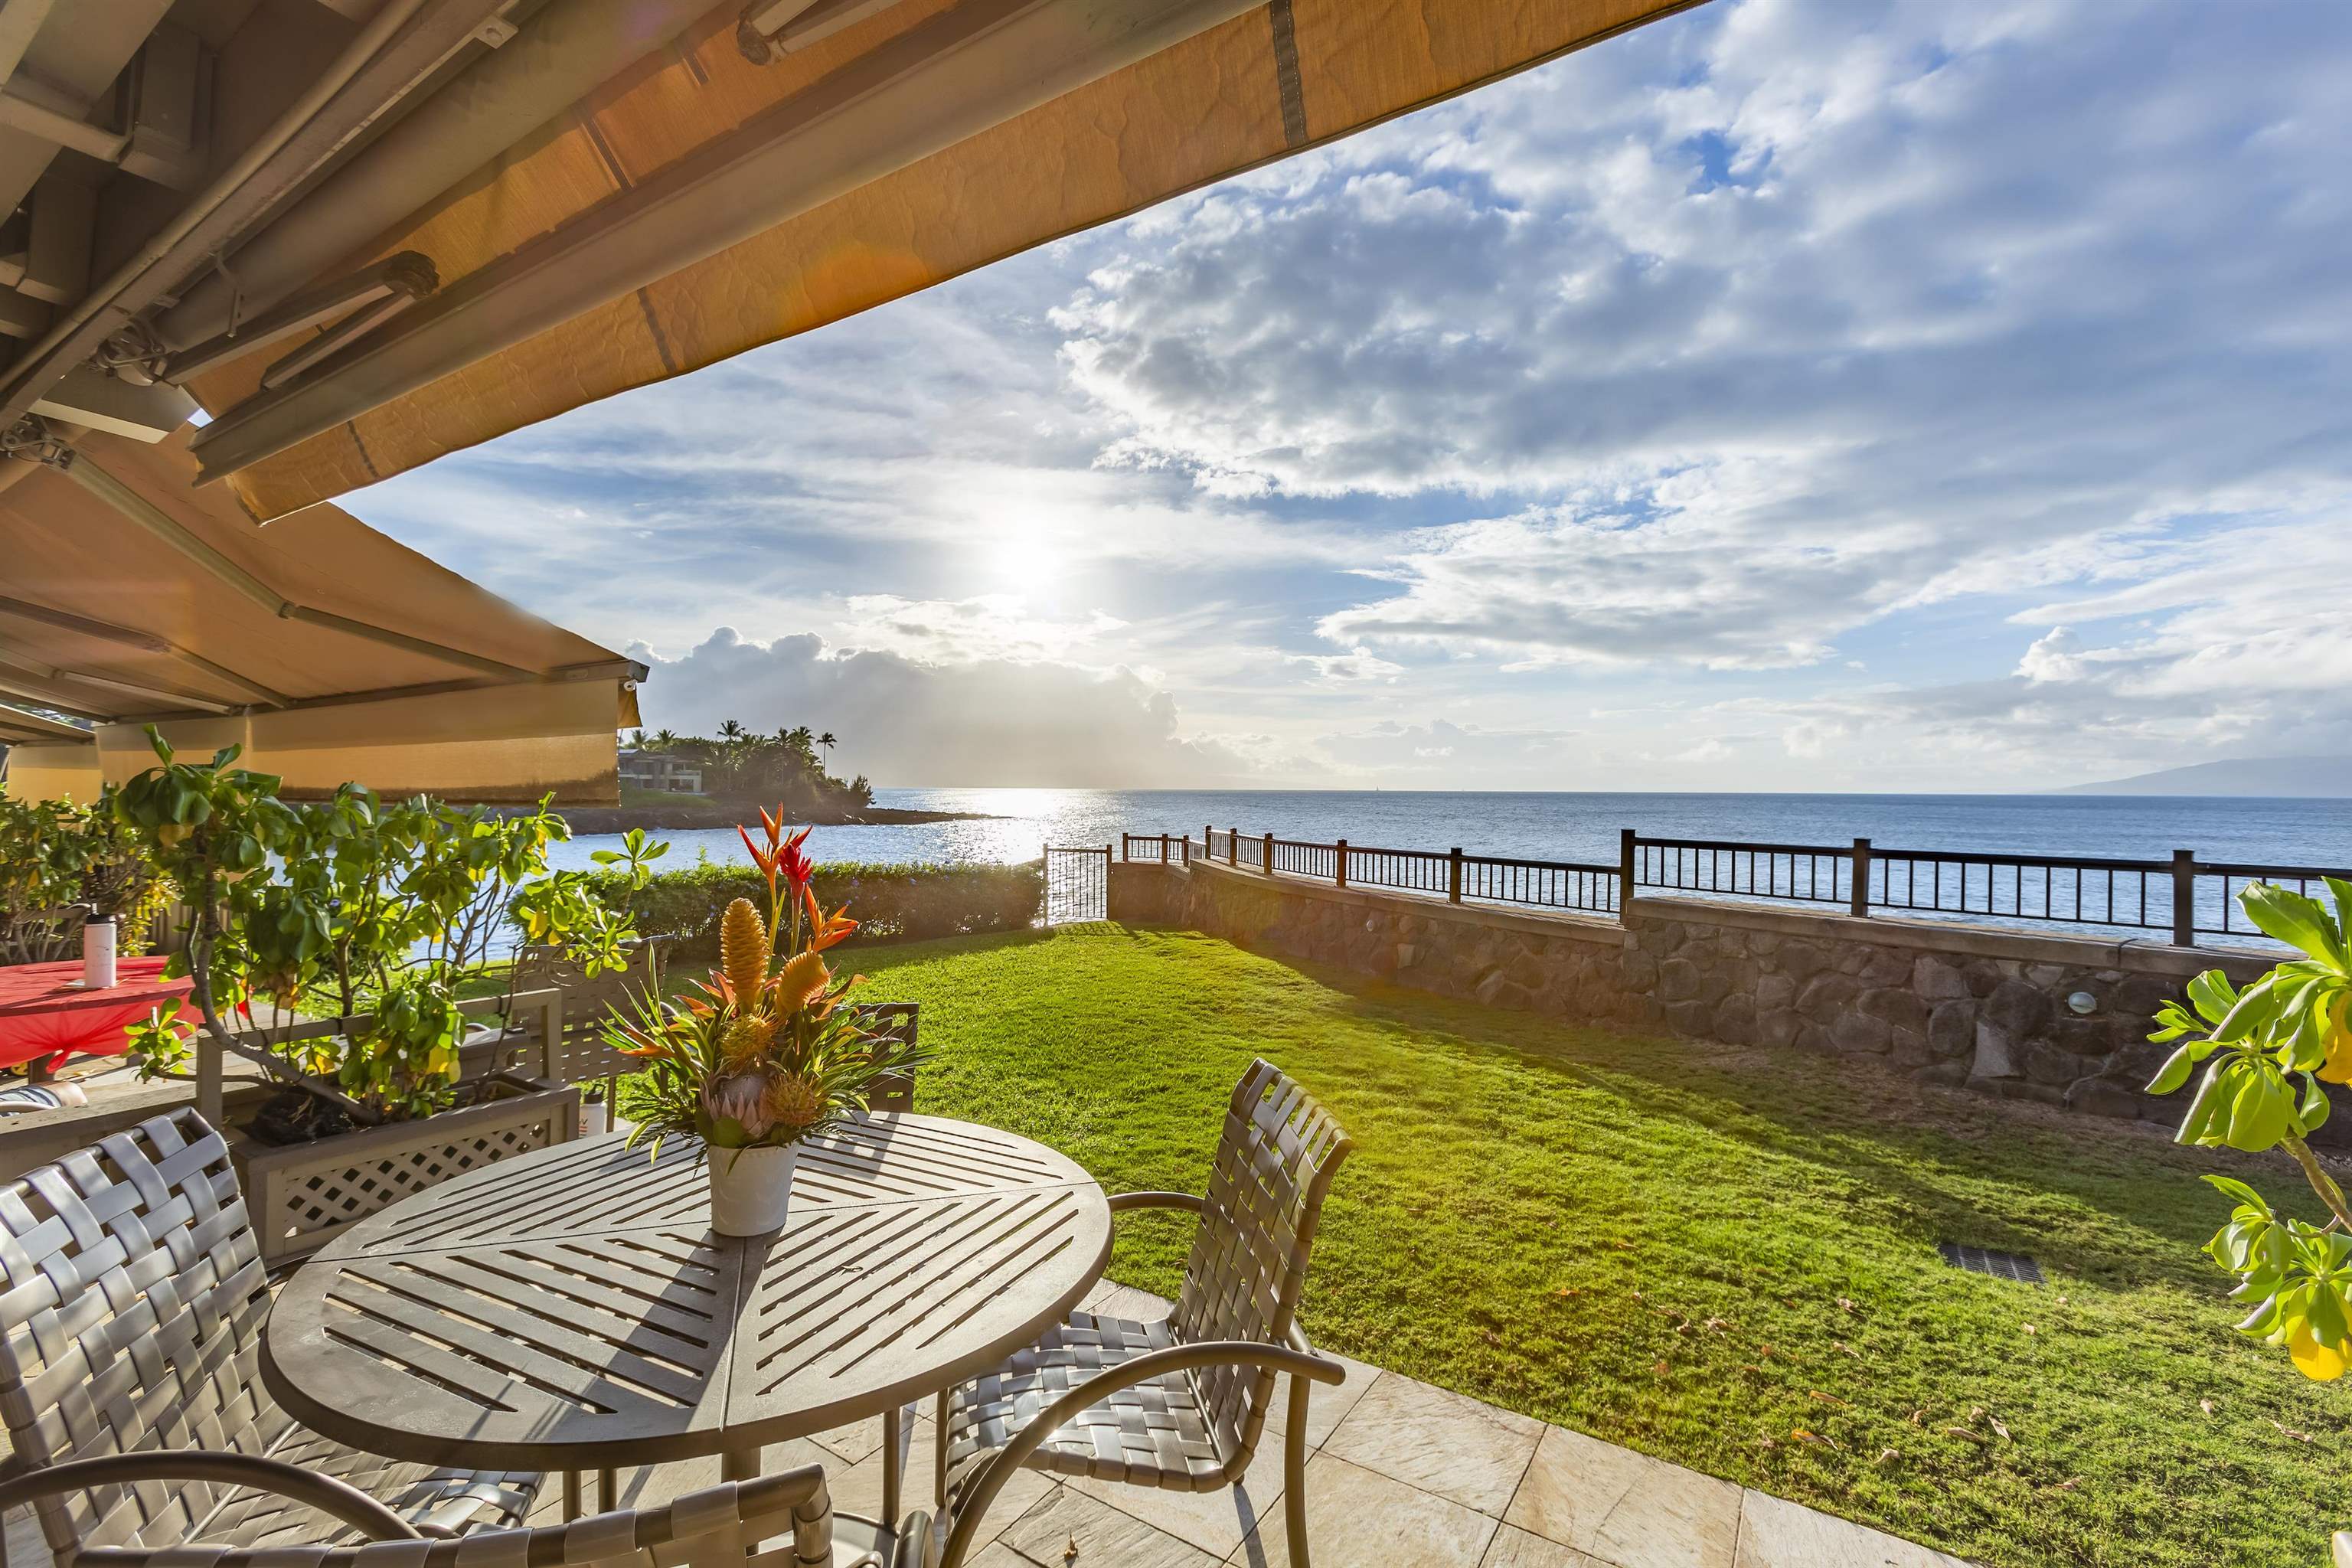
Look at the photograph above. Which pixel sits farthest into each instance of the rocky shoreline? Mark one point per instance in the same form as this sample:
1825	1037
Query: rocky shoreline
590	819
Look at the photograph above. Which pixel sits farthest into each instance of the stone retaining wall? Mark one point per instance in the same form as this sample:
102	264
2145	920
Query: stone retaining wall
2061	1019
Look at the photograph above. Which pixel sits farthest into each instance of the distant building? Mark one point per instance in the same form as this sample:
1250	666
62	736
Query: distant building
660	770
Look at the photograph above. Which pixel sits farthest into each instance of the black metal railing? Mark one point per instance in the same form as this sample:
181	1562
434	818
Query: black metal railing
1450	875
2182	897
1810	873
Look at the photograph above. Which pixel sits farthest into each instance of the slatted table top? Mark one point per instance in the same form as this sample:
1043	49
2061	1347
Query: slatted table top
572	1309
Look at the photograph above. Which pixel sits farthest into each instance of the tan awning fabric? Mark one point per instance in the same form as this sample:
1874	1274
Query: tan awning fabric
1265	84
359	660
53	773
19	727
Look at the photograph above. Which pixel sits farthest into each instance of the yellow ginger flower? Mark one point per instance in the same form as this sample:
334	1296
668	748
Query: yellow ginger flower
801	980
743	950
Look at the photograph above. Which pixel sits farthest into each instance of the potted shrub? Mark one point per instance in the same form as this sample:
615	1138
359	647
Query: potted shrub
2267	1052
336	934
763	1056
57	861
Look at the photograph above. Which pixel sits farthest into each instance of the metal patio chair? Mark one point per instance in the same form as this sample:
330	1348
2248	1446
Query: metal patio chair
893	1093
715	1527
129	1337
581	1054
895	1022
1179	1403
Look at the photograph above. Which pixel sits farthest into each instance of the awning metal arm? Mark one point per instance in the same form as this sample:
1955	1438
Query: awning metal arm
138	509
51	673
409	276
147	642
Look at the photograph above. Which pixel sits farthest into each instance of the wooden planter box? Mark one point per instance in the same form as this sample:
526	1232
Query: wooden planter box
300	1197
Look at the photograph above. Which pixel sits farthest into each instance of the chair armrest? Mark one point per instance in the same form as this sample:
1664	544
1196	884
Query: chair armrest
1299	1343
335	1498
1121	1202
970	1508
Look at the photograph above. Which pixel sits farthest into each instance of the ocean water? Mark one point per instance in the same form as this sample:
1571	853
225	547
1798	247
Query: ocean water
1569	826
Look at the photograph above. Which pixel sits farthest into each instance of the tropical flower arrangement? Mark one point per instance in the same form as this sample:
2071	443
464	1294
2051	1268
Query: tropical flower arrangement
765	1053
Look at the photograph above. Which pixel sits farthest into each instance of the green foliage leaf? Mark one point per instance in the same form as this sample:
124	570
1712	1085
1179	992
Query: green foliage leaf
2289	917
2239	1190
2174	1072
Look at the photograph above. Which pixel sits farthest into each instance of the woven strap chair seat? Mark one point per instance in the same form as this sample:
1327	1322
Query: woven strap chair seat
1156	1434
130	1321
439	1502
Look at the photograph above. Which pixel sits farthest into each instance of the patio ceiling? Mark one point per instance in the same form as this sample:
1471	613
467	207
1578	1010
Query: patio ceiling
365	233
327	650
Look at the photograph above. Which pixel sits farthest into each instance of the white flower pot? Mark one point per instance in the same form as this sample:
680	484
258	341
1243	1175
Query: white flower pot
750	1189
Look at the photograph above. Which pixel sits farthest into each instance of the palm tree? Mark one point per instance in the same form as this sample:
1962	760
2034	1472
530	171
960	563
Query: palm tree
663	738
731	730
828	743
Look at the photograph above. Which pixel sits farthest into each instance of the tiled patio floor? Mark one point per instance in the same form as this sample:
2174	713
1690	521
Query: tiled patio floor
1402	1475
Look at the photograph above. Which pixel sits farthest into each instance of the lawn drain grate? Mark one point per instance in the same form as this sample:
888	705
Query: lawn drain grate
2000	1265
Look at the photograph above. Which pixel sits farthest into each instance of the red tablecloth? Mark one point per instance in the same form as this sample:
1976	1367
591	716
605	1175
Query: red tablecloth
40	1015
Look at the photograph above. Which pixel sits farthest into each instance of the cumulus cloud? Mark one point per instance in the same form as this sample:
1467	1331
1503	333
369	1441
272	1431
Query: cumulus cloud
1441	748
990	626
1789	320
1357	665
1892	394
908	722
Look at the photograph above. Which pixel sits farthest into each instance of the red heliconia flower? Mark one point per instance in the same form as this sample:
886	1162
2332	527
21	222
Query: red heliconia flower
795	861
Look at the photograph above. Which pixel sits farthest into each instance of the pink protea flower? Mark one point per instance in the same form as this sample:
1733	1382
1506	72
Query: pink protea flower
740	1097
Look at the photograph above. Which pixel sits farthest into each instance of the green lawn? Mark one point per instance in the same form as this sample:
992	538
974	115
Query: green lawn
1723	1258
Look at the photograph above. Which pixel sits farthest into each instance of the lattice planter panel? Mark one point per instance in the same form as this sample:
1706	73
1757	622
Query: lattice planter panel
302	1196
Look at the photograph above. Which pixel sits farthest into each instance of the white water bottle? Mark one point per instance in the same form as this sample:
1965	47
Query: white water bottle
97	952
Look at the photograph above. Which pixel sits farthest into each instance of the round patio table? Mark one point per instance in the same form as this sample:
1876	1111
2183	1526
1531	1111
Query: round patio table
571	1309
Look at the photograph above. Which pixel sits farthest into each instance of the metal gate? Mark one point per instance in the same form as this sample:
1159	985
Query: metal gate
1077	885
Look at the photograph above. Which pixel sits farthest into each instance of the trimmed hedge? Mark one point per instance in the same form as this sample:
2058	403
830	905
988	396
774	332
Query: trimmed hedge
890	903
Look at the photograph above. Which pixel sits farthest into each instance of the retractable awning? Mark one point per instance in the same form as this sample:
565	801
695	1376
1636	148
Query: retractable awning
330	652
473	214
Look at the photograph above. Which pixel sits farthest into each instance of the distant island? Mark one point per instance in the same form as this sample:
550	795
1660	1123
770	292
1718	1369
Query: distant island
2313	778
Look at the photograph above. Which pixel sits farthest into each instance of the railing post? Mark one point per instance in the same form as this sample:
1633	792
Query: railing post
1858	901
1124	837
1163	849
1453	876
1340	859
1627	865
2184	897
1269	854
1232	846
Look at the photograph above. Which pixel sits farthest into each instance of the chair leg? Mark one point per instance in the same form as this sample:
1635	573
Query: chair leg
939	1451
570	1496
1294	1472
608	1490
891	1467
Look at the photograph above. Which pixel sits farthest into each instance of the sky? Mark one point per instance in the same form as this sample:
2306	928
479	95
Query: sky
1793	394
